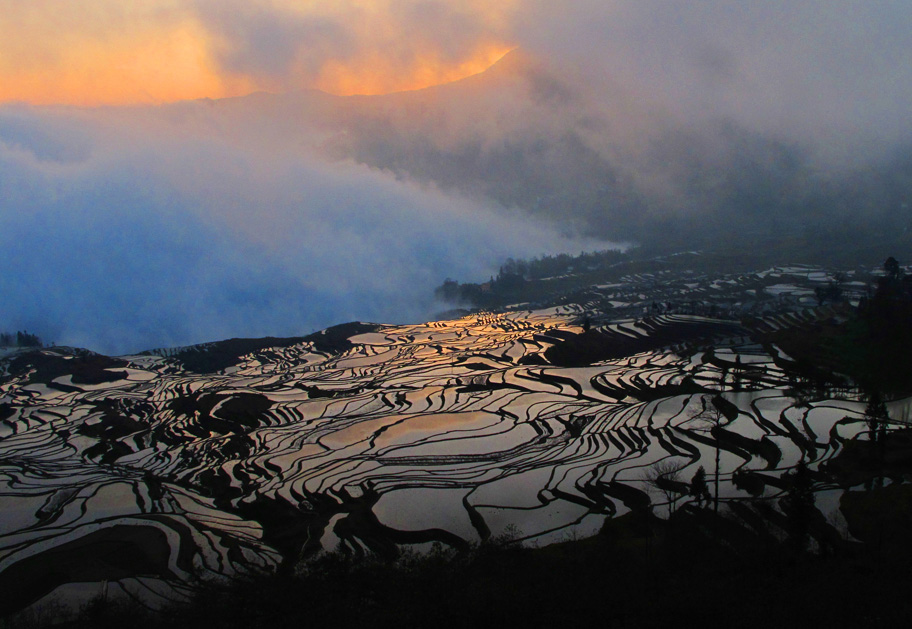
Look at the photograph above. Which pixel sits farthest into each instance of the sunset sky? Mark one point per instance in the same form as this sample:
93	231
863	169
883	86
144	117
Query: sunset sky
147	51
773	60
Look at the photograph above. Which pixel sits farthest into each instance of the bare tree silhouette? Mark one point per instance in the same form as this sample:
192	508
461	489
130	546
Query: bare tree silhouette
664	476
709	420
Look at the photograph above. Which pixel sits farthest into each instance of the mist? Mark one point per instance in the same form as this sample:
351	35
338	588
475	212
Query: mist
124	237
833	75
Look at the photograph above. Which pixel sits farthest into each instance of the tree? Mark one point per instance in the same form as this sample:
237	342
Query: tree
798	505
24	339
709	420
832	292
876	416
698	488
891	266
21	339
448	291
664	476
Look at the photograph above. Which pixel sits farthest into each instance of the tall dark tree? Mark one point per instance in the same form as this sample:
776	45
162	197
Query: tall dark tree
832	292
698	487
21	339
876	416
448	291
891	266
798	505
709	420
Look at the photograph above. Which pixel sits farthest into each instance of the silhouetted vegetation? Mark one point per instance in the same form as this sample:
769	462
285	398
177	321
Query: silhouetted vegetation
832	292
19	339
710	421
214	357
880	337
530	280
798	506
664	476
871	344
698	488
83	366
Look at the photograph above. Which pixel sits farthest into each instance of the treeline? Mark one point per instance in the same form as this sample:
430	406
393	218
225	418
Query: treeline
19	339
563	263
881	335
515	275
871	344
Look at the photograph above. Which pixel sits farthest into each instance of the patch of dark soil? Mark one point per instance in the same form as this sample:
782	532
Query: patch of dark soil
85	367
604	344
315	392
115	424
335	340
107	451
293	530
235	412
214	357
244	409
217	483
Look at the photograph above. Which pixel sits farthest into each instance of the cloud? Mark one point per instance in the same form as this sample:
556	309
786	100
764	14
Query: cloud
122	235
354	46
106	52
272	40
111	52
833	73
807	69
793	67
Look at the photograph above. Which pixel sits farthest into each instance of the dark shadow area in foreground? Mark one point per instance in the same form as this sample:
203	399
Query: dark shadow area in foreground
770	561
639	572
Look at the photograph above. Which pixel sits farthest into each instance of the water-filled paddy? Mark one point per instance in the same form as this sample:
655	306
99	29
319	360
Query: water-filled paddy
452	431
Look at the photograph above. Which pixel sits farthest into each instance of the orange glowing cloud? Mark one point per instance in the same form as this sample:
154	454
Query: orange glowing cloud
376	74
155	67
104	52
107	52
412	45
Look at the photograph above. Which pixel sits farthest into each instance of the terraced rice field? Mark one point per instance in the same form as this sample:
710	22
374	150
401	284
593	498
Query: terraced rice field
151	479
